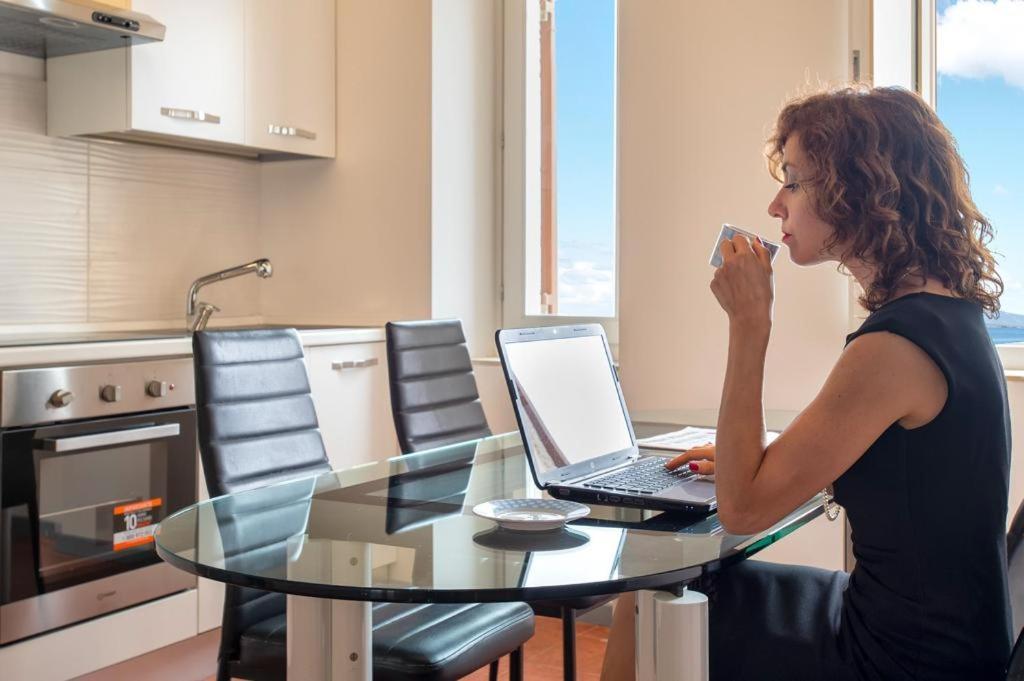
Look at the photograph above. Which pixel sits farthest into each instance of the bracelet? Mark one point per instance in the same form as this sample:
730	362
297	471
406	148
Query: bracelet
828	503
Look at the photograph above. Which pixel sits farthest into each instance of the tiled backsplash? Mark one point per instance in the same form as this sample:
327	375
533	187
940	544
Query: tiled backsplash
96	231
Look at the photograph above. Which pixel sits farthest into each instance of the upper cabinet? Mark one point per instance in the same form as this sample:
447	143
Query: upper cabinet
192	84
289	63
252	77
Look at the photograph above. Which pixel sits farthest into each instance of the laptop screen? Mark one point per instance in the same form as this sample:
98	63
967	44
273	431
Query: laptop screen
568	402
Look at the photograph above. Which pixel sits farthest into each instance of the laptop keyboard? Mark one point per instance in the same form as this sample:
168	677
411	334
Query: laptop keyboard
647	476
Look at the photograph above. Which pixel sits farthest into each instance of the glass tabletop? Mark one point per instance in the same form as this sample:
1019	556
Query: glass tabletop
403	530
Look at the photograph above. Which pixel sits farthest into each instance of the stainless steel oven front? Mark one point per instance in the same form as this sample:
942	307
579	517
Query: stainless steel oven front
91	458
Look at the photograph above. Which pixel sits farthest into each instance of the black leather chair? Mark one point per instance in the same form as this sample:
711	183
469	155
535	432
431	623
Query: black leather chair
1015	668
1015	573
1015	568
434	399
435	402
257	425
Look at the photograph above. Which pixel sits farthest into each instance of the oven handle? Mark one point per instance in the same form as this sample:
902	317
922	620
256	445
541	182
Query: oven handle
114	437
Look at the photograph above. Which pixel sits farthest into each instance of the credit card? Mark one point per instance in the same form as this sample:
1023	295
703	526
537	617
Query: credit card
728	232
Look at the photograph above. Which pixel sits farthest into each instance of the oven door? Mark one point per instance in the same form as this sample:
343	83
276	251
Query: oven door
78	506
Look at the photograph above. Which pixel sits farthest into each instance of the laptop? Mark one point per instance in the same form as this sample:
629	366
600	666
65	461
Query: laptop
575	427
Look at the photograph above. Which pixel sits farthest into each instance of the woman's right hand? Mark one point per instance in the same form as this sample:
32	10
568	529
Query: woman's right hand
700	460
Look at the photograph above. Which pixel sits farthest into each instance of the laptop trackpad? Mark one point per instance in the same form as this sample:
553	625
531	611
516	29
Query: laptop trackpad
701	490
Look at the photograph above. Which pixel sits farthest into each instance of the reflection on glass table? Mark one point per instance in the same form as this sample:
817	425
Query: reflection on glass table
402	530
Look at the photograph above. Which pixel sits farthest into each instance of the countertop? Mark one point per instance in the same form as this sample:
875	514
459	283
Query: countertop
154	343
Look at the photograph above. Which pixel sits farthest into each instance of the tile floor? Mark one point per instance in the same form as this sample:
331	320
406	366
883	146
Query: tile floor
543	653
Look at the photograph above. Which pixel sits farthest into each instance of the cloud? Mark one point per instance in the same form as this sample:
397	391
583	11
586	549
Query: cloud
584	289
982	39
1000	190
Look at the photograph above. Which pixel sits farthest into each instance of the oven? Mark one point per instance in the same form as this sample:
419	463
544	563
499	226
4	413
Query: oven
92	457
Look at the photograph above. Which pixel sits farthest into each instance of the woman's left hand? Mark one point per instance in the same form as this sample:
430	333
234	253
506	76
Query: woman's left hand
744	284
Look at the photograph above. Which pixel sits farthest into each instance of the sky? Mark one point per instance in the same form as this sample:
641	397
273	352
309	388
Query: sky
585	148
980	98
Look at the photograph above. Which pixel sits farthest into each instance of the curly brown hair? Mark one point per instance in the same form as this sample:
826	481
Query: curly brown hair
887	176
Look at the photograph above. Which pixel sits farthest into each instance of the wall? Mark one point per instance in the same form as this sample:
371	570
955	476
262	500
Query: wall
699	87
105	232
350	238
464	164
1015	393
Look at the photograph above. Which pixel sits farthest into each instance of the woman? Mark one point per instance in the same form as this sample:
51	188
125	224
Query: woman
911	427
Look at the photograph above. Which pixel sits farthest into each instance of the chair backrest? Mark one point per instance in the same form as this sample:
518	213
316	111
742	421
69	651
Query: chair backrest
434	398
1015	667
257	423
1015	568
257	426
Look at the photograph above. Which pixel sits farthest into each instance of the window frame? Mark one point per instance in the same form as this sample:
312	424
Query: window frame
522	239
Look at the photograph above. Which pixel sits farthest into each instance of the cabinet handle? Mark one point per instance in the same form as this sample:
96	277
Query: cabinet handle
288	131
355	364
190	115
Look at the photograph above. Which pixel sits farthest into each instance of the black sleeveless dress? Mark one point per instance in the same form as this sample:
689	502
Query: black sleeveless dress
927	598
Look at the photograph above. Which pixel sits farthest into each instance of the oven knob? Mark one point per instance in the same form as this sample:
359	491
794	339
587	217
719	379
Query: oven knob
61	398
157	388
110	393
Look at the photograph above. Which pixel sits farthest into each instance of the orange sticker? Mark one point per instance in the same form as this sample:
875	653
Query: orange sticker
135	523
138	506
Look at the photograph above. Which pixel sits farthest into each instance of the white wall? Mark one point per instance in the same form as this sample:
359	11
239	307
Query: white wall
401	225
350	237
95	232
464	164
1015	393
700	85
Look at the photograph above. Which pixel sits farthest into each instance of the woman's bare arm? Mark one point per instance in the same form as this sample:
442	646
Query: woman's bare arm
880	379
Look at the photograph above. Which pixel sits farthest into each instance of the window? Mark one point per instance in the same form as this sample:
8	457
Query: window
967	59
560	184
979	95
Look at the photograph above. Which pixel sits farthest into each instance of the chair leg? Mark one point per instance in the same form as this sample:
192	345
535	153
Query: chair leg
493	675
515	665
568	644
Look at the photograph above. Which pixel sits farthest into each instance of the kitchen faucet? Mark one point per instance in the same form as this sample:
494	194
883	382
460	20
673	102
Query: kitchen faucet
197	313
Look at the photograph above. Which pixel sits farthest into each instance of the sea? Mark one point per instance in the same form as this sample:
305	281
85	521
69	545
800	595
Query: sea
1004	335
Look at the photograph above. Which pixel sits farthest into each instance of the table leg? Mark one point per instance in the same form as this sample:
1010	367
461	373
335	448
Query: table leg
671	636
330	640
327	641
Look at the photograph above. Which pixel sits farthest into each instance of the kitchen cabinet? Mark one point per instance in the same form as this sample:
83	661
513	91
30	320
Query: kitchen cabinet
251	78
290	76
188	87
350	392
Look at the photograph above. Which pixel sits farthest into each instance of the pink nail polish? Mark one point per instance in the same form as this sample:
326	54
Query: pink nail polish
694	467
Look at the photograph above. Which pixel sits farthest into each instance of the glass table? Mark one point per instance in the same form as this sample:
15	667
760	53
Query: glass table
403	530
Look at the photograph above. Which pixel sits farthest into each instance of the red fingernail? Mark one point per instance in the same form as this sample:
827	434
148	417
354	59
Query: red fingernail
694	467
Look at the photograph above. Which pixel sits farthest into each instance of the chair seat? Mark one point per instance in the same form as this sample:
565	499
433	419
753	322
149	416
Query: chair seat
410	641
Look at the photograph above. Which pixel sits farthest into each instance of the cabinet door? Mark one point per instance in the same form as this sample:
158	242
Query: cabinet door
350	392
289	71
191	84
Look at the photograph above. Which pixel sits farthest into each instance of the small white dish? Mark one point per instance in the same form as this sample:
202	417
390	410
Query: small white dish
531	515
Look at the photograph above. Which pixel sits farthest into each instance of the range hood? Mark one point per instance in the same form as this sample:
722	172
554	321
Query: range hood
54	28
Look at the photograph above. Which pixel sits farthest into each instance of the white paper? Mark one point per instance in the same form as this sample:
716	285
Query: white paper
686	438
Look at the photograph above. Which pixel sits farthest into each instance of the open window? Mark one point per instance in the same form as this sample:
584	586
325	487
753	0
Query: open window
964	58
559	215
